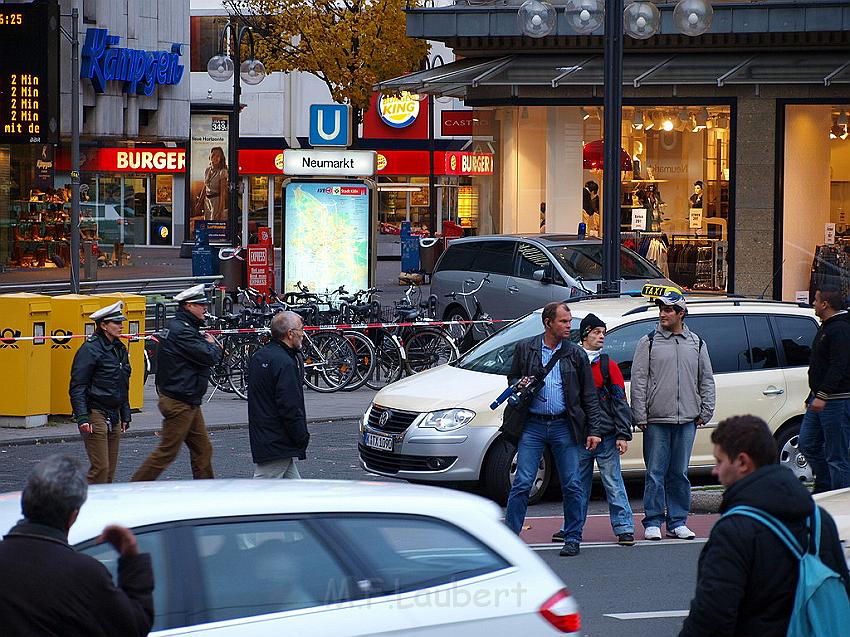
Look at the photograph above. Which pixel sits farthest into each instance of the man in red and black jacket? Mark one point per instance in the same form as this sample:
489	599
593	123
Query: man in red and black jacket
616	417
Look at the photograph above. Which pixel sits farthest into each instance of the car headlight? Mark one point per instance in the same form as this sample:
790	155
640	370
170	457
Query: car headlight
365	417
447	419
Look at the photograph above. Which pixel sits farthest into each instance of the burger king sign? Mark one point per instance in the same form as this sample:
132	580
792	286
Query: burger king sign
398	111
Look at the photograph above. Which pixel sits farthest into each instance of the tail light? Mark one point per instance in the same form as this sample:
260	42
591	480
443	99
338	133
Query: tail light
559	609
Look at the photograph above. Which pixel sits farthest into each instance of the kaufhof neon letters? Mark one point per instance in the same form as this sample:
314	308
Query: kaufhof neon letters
141	71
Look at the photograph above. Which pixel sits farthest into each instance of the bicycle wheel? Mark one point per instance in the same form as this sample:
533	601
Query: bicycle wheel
427	348
329	361
389	359
364	352
238	371
220	372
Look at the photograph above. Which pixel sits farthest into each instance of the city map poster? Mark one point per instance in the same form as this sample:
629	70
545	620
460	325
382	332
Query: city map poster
326	236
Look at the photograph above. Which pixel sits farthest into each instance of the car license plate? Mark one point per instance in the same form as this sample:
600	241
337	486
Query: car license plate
384	443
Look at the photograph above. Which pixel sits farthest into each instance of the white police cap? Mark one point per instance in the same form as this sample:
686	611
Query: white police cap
195	294
109	313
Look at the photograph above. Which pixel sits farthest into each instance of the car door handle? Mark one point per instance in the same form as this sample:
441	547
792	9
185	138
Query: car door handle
513	289
773	392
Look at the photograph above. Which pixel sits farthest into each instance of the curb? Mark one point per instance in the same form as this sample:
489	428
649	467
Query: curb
140	433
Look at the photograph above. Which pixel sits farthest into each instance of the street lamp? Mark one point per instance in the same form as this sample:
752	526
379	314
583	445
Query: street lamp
221	68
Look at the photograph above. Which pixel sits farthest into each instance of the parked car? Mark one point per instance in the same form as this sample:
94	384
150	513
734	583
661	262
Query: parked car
837	504
255	558
526	272
114	223
437	426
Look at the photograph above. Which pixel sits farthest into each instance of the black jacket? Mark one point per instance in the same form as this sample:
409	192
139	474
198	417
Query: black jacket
277	423
48	589
100	378
580	395
184	359
747	577
829	368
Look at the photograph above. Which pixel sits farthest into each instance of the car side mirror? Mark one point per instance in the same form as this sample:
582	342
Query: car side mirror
545	275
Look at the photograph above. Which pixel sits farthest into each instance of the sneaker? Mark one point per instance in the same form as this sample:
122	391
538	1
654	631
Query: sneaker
626	539
652	533
558	536
682	533
570	549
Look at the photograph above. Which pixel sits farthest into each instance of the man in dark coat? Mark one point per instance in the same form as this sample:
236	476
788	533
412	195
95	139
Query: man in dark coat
184	361
99	391
747	577
48	589
277	424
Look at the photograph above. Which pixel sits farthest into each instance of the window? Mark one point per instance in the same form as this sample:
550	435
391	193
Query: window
726	339
495	257
204	39
459	256
585	262
530	259
762	347
621	342
153	542
797	334
253	568
409	553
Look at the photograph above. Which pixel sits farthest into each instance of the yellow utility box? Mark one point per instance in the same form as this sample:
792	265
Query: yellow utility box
134	310
24	364
70	317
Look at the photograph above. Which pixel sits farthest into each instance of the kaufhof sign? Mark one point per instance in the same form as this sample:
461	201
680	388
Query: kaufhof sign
462	163
398	111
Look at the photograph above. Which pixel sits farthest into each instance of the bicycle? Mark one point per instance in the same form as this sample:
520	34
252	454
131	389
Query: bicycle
480	320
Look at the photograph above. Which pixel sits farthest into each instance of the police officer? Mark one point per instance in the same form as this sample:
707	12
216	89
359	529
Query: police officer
183	369
100	383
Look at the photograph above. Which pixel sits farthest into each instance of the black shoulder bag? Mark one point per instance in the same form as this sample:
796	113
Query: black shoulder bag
514	416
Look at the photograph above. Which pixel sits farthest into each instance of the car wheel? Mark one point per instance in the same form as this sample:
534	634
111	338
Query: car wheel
462	334
788	444
500	469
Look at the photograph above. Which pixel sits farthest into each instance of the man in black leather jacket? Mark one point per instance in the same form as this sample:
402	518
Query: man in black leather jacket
183	369
99	389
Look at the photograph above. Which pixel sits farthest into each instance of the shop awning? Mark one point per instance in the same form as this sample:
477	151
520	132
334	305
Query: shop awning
638	70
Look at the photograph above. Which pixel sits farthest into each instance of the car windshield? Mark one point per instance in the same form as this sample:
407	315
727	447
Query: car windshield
494	355
585	262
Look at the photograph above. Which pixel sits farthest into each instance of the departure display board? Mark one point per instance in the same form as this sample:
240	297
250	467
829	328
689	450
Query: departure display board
29	73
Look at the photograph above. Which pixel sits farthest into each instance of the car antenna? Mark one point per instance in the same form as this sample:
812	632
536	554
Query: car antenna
772	279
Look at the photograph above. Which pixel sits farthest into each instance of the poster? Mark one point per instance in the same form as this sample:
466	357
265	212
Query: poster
326	235
695	219
638	218
829	234
209	176
164	188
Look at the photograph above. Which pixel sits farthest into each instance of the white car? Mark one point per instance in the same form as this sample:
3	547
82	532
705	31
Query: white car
437	426
837	504
306	557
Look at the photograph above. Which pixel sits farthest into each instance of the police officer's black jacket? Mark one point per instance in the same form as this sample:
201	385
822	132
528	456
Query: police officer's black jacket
747	577
277	424
829	369
184	359
100	378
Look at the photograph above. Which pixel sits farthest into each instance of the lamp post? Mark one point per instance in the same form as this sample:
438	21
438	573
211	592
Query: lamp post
74	38
221	68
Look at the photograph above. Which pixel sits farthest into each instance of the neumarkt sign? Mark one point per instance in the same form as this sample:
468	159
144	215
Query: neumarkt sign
103	61
329	163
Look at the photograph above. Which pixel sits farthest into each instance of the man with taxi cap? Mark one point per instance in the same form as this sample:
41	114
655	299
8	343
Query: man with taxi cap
672	394
184	360
99	391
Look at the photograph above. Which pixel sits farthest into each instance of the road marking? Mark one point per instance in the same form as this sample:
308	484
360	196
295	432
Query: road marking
613	545
653	614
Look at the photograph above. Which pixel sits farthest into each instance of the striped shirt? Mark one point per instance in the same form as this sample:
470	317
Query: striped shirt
549	401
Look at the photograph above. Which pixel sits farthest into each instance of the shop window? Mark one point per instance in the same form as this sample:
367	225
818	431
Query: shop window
205	32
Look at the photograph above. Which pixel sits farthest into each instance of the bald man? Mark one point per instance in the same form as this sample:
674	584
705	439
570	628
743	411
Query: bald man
277	423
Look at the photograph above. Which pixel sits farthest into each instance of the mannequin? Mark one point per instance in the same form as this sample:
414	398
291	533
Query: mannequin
590	208
696	198
636	159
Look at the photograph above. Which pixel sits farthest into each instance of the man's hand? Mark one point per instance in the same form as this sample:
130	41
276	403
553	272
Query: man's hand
592	442
124	426
642	426
622	446
524	382
699	422
85	428
209	338
817	405
121	538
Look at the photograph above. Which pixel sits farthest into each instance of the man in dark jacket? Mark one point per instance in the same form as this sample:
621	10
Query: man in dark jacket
277	424
183	369
563	412
747	577
99	390
825	431
48	588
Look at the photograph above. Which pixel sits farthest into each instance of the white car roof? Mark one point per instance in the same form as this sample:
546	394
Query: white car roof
144	503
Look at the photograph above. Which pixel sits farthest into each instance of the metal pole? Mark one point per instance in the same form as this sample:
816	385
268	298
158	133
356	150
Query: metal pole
432	181
233	144
613	114
75	152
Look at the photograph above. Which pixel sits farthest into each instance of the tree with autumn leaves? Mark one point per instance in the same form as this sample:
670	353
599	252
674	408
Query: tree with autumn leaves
348	44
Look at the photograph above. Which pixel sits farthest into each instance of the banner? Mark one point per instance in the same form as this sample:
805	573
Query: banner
209	176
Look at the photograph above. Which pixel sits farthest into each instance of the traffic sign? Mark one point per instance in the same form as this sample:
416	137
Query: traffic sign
330	125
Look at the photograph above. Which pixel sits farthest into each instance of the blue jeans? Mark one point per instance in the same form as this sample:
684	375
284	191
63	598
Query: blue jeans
825	441
608	459
559	435
666	453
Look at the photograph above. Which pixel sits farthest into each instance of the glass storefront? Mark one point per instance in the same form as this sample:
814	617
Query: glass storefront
404	198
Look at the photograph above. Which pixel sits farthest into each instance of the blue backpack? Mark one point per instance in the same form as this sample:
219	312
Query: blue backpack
821	606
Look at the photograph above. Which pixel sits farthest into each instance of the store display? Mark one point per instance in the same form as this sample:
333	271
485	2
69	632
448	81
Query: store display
831	266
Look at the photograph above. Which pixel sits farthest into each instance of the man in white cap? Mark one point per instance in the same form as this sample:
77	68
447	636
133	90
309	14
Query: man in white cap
184	360
99	389
672	394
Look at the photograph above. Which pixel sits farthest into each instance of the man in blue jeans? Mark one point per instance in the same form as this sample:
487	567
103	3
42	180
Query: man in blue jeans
672	394
825	431
563	412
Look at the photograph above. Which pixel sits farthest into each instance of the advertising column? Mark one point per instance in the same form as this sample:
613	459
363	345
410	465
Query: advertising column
209	176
